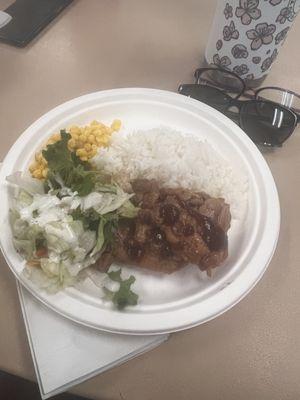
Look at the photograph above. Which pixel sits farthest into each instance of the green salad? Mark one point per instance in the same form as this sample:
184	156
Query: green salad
62	225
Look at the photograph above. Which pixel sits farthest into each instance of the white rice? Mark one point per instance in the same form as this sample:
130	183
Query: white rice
175	160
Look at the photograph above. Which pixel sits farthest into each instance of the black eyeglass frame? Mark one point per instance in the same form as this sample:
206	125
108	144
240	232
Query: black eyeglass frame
297	112
240	104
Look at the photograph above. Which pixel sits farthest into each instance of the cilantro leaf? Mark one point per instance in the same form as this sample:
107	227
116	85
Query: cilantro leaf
58	155
74	173
115	275
124	296
110	227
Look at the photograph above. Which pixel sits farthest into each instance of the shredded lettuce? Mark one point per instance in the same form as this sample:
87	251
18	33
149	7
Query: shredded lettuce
61	226
107	226
100	237
26	182
128	210
111	202
51	277
88	240
25	247
106	201
92	200
24	235
103	188
24	199
18	226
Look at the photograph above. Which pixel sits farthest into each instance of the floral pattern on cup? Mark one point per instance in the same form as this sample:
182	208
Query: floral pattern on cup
239	51
228	11
262	34
266	64
222	62
229	32
241	69
286	13
281	35
256	60
246	32
248	11
219	44
249	77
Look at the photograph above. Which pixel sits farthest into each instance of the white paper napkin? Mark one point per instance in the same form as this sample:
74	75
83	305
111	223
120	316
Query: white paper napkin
65	353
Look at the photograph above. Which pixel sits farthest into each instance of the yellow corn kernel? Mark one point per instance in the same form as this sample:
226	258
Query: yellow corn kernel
106	137
98	140
45	172
84	158
99	133
81	152
87	146
75	136
94	147
89	130
101	143
74	130
94	130
97	123
83	137
91	139
116	125
71	143
37	173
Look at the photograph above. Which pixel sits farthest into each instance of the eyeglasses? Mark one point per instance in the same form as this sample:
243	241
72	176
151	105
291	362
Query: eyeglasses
269	118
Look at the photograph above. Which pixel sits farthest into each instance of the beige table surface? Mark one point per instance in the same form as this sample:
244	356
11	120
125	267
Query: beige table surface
251	352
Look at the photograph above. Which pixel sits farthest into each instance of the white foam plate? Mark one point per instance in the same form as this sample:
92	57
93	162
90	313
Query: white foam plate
182	300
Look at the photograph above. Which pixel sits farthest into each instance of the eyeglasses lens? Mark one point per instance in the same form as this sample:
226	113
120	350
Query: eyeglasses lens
280	96
207	94
220	79
266	123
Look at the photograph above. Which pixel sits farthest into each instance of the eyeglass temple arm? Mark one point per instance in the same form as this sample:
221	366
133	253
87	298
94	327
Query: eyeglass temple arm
248	93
